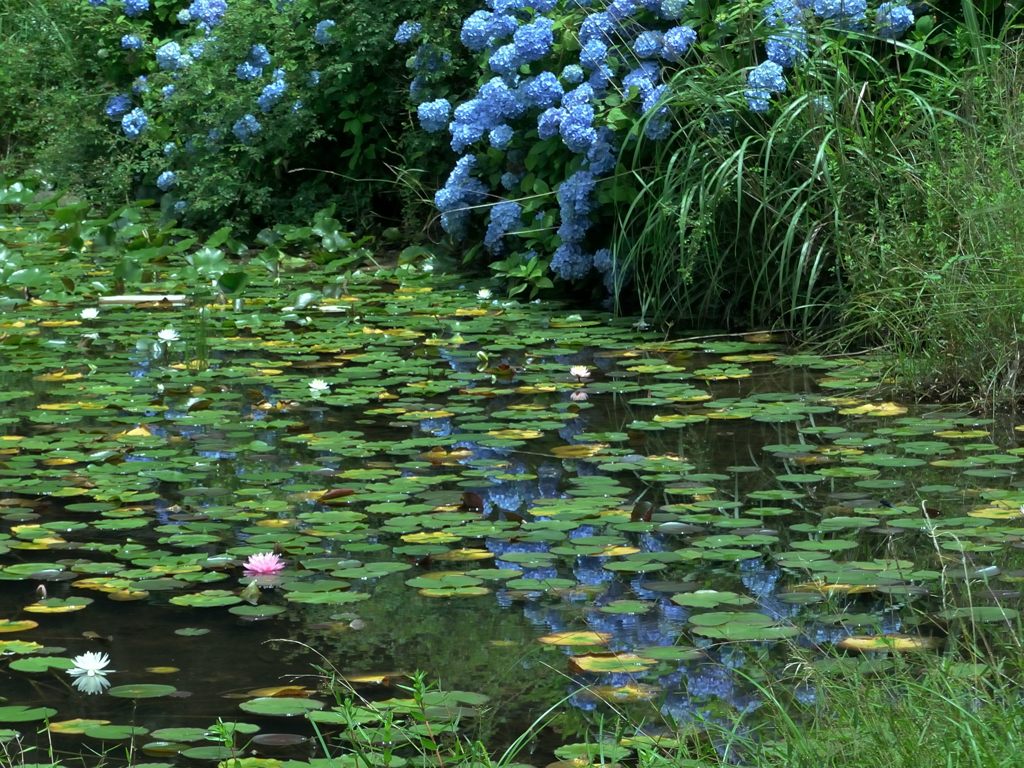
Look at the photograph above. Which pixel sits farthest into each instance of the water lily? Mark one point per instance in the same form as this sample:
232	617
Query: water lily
168	335
580	372
89	313
579	396
483	294
319	386
90	672
263	564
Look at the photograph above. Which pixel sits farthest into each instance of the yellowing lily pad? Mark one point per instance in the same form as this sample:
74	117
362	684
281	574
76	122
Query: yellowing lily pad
576	638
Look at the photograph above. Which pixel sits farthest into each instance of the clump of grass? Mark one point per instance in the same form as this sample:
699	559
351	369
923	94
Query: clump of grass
936	273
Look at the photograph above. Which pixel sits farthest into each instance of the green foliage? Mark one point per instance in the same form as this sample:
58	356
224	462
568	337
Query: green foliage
936	269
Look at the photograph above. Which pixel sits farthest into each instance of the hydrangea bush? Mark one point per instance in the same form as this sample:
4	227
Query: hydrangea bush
563	89
252	110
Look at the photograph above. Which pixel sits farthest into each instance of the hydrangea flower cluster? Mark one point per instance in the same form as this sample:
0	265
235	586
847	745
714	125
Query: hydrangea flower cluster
131	42
207	13
893	20
322	33
170	57
272	92
117	105
134	8
166	181
134	123
407	31
246	127
252	67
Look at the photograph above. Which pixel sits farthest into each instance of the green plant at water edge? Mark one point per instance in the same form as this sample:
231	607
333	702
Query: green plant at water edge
936	273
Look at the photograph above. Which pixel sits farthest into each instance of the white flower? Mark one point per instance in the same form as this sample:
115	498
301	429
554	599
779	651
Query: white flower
89	313
483	294
168	334
318	386
90	672
580	372
579	396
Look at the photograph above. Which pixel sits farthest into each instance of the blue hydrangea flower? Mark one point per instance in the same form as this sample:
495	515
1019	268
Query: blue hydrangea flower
571	262
576	203
893	20
549	121
501	136
259	56
601	157
246	127
533	41
434	115
314	77
572	74
642	78
207	12
505	61
184	17
672	9
597	26
677	42
131	42
134	123
593	54
763	80
600	78
246	71
135	8
117	105
180	206
460	192
767	76
272	92
322	33
167	91
510	180
505	217
166	181
170	58
197	49
140	85
543	91
787	46
97	3
582	94
842	10
577	128
476	30
648	44
168	149
622	9
779	12
407	30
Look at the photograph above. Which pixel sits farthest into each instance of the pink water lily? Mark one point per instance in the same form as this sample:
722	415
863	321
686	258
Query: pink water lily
264	564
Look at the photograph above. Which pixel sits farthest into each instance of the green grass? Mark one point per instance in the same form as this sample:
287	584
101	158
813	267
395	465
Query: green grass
936	277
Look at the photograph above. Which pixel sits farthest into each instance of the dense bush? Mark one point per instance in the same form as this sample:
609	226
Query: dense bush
239	110
574	102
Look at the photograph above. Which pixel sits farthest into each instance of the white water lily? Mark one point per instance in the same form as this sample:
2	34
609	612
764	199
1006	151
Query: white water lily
89	313
319	386
580	372
168	334
483	294
90	672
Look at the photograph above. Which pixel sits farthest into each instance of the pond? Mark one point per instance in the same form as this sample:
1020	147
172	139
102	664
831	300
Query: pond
540	508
